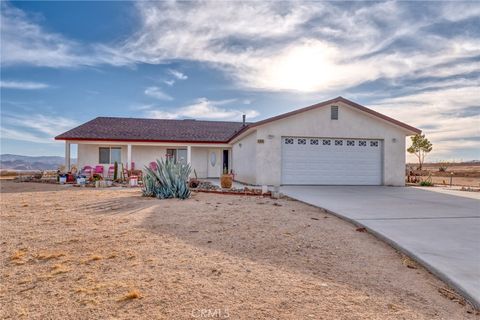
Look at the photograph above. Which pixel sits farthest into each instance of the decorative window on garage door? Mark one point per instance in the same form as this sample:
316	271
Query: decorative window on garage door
362	143
373	143
314	142
339	142
302	141
350	143
326	142
288	140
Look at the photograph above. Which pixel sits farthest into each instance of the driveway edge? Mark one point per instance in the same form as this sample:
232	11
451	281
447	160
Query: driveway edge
442	276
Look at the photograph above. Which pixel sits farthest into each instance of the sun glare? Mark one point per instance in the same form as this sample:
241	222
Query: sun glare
303	68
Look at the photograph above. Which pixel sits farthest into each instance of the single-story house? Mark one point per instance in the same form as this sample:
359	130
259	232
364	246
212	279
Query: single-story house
336	142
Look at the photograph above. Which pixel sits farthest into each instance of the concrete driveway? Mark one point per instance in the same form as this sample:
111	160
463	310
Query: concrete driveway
441	230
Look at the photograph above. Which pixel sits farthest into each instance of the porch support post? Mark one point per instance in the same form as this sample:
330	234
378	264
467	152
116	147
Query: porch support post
129	156
67	156
189	154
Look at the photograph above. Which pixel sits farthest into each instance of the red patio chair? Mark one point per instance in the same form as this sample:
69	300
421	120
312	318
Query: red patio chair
99	170
153	165
87	171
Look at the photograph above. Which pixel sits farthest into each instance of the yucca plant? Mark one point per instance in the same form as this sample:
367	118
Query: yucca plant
168	180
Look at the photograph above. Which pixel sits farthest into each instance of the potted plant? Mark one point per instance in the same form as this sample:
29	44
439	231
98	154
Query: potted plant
226	179
96	178
193	183
61	175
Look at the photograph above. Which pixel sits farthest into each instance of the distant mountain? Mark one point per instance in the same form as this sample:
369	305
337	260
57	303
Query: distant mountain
17	162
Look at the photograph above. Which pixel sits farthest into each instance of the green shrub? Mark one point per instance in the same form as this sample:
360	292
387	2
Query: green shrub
426	183
168	180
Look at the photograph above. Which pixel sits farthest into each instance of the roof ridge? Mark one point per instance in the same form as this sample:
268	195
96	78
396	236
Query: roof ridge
162	119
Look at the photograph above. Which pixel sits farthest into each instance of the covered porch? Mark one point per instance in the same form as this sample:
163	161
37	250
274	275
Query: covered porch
208	160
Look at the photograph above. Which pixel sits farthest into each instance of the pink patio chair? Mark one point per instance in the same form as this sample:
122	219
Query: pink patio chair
153	166
111	172
87	171
99	170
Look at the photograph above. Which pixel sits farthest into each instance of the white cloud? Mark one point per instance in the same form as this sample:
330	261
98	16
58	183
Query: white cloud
449	117
25	85
169	82
177	74
204	109
295	46
157	93
25	42
37	128
275	46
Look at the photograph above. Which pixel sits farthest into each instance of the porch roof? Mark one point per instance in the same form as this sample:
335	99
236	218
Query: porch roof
153	130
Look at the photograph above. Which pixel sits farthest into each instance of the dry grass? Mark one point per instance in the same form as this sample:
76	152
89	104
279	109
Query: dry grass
93	258
49	255
59	269
18	255
409	263
131	295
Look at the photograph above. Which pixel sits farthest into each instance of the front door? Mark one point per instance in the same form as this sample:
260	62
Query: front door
214	163
225	162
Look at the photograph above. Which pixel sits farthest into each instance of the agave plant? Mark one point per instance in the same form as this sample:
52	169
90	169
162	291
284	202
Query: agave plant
168	180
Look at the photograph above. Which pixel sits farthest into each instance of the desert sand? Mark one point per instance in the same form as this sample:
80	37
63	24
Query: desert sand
76	253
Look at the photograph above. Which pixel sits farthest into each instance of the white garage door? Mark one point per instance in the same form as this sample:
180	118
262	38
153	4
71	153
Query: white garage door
328	161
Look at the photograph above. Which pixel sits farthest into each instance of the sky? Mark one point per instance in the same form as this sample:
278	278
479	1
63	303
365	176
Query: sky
64	63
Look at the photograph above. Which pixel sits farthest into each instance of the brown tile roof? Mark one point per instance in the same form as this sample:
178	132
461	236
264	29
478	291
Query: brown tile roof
195	131
153	130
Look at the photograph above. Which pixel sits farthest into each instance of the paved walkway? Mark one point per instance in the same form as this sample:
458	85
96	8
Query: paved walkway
441	230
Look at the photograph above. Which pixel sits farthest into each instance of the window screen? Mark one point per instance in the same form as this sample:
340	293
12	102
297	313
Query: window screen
115	155
334	112
104	155
172	154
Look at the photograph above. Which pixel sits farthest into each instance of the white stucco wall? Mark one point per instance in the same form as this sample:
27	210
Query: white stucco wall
142	155
199	161
244	157
88	154
317	123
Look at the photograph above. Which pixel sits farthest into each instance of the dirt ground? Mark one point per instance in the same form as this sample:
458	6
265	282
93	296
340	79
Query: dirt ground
76	253
465	174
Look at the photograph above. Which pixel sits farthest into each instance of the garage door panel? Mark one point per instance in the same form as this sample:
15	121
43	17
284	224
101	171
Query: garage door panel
342	162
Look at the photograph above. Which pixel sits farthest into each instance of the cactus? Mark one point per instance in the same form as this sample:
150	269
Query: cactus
168	180
115	170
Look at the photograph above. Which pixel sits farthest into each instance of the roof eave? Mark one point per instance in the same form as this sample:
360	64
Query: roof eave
141	140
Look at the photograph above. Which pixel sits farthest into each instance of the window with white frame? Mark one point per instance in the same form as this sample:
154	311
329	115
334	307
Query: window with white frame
302	141
108	155
179	155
